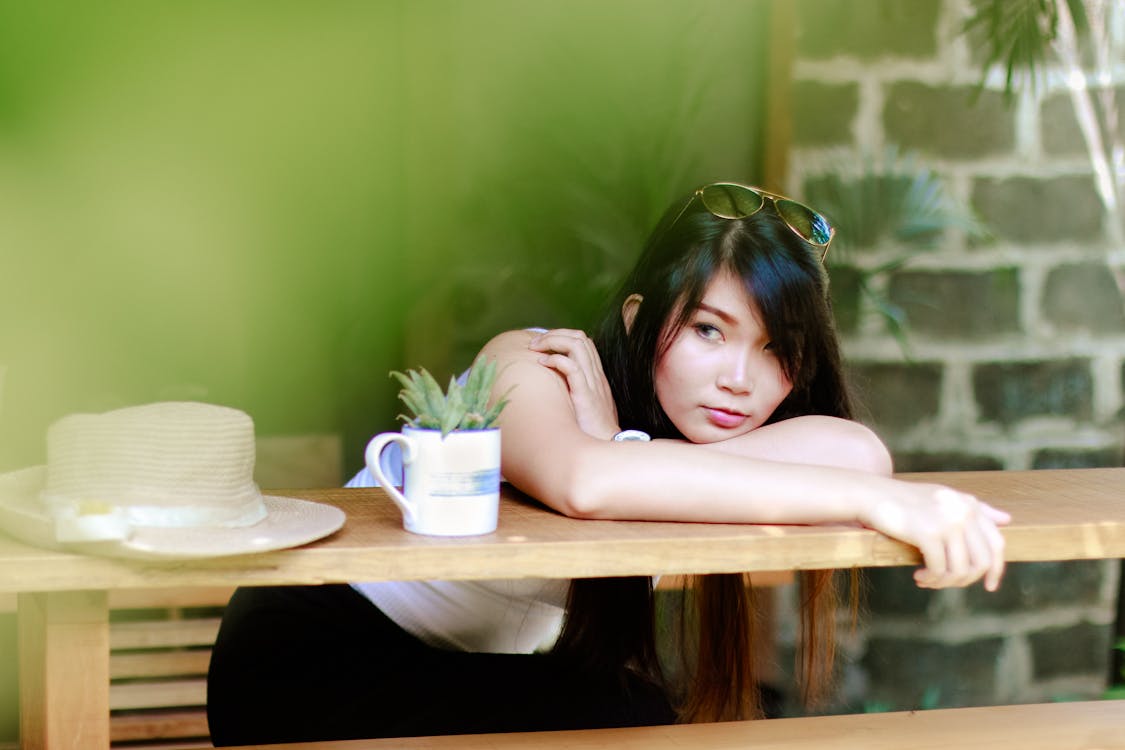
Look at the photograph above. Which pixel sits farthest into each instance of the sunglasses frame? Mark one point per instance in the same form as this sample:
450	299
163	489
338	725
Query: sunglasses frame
764	195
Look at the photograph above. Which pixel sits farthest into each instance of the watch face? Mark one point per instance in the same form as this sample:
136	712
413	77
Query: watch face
628	435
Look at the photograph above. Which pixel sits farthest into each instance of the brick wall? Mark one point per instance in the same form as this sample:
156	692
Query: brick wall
1017	343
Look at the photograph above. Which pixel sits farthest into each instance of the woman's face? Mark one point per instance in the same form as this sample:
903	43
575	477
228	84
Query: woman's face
720	378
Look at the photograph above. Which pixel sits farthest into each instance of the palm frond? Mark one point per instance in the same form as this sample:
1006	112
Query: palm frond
892	197
1019	34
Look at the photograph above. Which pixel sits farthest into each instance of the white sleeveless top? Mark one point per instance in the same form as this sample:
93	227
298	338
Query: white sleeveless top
511	616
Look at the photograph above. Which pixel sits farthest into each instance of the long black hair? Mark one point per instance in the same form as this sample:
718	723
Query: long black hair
781	273
609	622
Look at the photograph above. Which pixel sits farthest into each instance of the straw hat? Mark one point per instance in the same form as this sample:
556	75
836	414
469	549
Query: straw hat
166	480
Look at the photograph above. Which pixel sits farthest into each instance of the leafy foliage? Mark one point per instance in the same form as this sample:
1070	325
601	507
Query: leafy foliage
1117	690
460	407
888	200
1019	34
892	197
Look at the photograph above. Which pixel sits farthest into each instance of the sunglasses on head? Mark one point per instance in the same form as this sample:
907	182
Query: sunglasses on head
729	200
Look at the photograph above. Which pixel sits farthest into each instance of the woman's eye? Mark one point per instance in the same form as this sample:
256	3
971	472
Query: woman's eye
708	332
769	347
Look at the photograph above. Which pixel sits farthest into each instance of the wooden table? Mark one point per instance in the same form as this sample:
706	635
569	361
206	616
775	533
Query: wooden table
63	629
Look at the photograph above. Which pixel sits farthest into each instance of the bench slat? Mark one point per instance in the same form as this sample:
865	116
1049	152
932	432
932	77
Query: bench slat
159	664
158	694
1054	726
159	725
163	633
170	598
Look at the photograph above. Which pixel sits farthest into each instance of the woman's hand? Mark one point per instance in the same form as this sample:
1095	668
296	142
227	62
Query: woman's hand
956	533
573	355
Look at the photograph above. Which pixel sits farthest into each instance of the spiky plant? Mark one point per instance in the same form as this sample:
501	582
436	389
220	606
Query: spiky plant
460	407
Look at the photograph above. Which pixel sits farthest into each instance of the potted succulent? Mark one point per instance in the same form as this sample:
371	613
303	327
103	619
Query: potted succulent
460	407
450	453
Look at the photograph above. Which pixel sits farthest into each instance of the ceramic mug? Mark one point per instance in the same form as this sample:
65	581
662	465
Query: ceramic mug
451	485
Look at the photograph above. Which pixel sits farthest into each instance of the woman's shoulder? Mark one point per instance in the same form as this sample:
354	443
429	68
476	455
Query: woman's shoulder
511	343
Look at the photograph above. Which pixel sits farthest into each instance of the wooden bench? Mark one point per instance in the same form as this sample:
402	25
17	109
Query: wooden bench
160	650
159	658
1090	725
158	665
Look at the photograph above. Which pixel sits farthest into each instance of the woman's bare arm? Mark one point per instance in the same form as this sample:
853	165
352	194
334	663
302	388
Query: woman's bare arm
818	440
546	454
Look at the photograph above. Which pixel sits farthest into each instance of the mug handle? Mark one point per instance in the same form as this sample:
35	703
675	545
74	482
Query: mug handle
374	465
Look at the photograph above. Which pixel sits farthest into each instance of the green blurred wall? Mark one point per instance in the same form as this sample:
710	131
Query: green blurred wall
271	204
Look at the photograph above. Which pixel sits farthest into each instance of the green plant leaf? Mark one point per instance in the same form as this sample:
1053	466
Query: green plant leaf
493	414
427	422
474	382
435	399
411	399
459	407
454	408
487	379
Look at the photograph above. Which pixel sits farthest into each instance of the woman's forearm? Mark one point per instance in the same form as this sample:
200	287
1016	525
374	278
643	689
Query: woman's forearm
817	440
675	481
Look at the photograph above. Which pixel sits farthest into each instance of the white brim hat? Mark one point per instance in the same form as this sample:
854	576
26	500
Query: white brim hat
162	481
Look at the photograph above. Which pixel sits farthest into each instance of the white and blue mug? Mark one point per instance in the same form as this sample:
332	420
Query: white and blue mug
451	484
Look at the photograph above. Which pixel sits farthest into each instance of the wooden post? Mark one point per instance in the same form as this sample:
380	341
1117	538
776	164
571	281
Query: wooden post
778	135
64	670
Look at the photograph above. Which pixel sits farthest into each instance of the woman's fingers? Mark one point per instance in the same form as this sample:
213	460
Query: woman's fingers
574	344
573	355
957	560
997	515
995	571
971	546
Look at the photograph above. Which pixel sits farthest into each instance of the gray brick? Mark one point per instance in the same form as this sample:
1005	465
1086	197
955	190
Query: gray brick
1078	649
898	395
1007	392
1032	586
946	461
892	591
946	122
1083	296
959	304
868	30
1027	209
1072	458
906	673
823	113
1059	126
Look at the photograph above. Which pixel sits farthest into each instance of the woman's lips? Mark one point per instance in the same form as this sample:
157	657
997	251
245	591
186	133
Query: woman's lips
725	419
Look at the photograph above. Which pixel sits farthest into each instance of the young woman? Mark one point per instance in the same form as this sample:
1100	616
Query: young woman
712	391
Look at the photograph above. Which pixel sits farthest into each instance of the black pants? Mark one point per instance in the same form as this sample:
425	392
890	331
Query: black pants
307	663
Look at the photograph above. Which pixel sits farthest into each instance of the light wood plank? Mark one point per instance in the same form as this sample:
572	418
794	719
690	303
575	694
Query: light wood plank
159	664
767	579
167	598
163	633
64	670
160	725
1058	515
170	598
158	694
1098	725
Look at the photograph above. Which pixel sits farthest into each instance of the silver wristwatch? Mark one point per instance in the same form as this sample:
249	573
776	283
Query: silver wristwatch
627	435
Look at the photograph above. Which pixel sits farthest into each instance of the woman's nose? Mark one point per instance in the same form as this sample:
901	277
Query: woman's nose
735	375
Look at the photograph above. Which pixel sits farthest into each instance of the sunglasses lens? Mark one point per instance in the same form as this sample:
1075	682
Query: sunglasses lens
808	223
730	201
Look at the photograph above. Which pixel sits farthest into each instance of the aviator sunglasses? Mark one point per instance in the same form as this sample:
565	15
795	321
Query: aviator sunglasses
729	200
